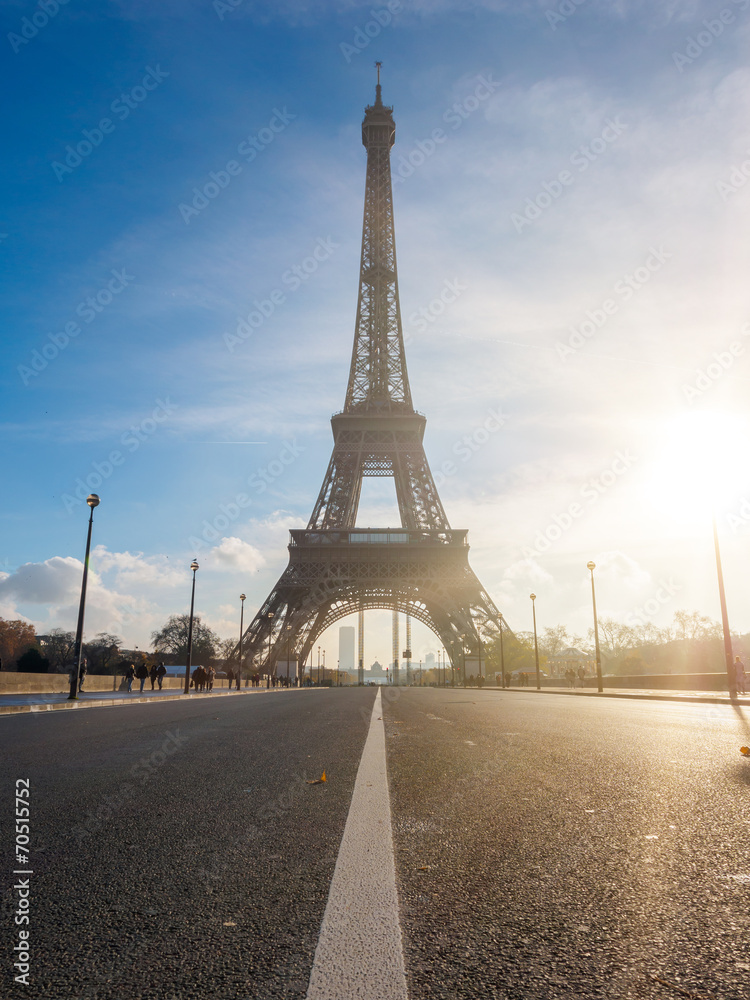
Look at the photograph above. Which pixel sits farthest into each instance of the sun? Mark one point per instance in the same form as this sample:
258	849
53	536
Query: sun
700	462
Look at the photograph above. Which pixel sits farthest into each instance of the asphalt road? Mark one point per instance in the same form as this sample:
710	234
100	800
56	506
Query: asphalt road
545	847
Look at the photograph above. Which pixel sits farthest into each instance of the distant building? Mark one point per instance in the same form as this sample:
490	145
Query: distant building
347	636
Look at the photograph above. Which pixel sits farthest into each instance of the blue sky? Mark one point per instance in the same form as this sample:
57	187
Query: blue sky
571	205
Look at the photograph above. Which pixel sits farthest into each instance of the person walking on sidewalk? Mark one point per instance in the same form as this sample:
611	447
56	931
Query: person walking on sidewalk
160	672
152	675
740	675
82	673
141	672
129	675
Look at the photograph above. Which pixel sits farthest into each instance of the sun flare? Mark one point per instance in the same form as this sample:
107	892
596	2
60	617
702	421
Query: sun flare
700	462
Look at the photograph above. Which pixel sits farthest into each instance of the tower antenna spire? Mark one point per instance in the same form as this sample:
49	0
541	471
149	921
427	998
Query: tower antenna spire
378	99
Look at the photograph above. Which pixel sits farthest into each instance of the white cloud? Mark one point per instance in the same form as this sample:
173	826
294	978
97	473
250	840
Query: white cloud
133	569
618	568
233	553
51	582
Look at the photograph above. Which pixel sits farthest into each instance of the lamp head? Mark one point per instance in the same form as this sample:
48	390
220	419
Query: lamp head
242	597
591	565
532	596
194	565
93	500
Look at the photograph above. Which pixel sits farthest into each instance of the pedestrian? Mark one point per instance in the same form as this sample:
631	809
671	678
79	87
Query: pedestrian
740	676
82	673
141	672
582	675
129	675
152	675
160	672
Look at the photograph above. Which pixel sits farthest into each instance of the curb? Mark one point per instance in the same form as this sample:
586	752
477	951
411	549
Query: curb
62	706
705	699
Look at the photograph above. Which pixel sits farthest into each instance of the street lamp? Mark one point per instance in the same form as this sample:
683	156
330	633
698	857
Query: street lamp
92	501
269	615
194	568
536	644
288	649
599	686
242	614
502	653
731	672
318	666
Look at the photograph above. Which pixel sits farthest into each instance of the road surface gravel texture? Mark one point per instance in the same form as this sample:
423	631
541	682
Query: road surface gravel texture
209	874
555	847
545	847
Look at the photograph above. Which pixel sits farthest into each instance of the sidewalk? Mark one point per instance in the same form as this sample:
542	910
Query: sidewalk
13	704
648	694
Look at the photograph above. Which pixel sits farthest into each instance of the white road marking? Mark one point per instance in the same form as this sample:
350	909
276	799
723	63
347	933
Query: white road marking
359	954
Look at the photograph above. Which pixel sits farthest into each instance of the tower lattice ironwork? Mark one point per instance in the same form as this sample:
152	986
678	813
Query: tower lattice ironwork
335	568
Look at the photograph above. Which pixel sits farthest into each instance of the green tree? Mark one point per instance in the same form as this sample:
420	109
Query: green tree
518	653
173	638
33	662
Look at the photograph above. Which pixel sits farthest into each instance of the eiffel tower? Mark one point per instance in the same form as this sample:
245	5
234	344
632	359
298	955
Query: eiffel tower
336	568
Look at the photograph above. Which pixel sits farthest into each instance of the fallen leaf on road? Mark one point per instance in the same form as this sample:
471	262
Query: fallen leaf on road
318	781
745	751
684	993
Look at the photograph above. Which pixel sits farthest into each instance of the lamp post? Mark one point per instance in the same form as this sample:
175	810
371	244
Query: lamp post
92	501
194	568
318	666
288	649
731	673
599	686
324	666
269	616
502	653
536	644
242	614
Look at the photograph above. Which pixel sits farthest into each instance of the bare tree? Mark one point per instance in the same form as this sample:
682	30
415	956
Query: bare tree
58	647
554	639
103	653
173	638
692	625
